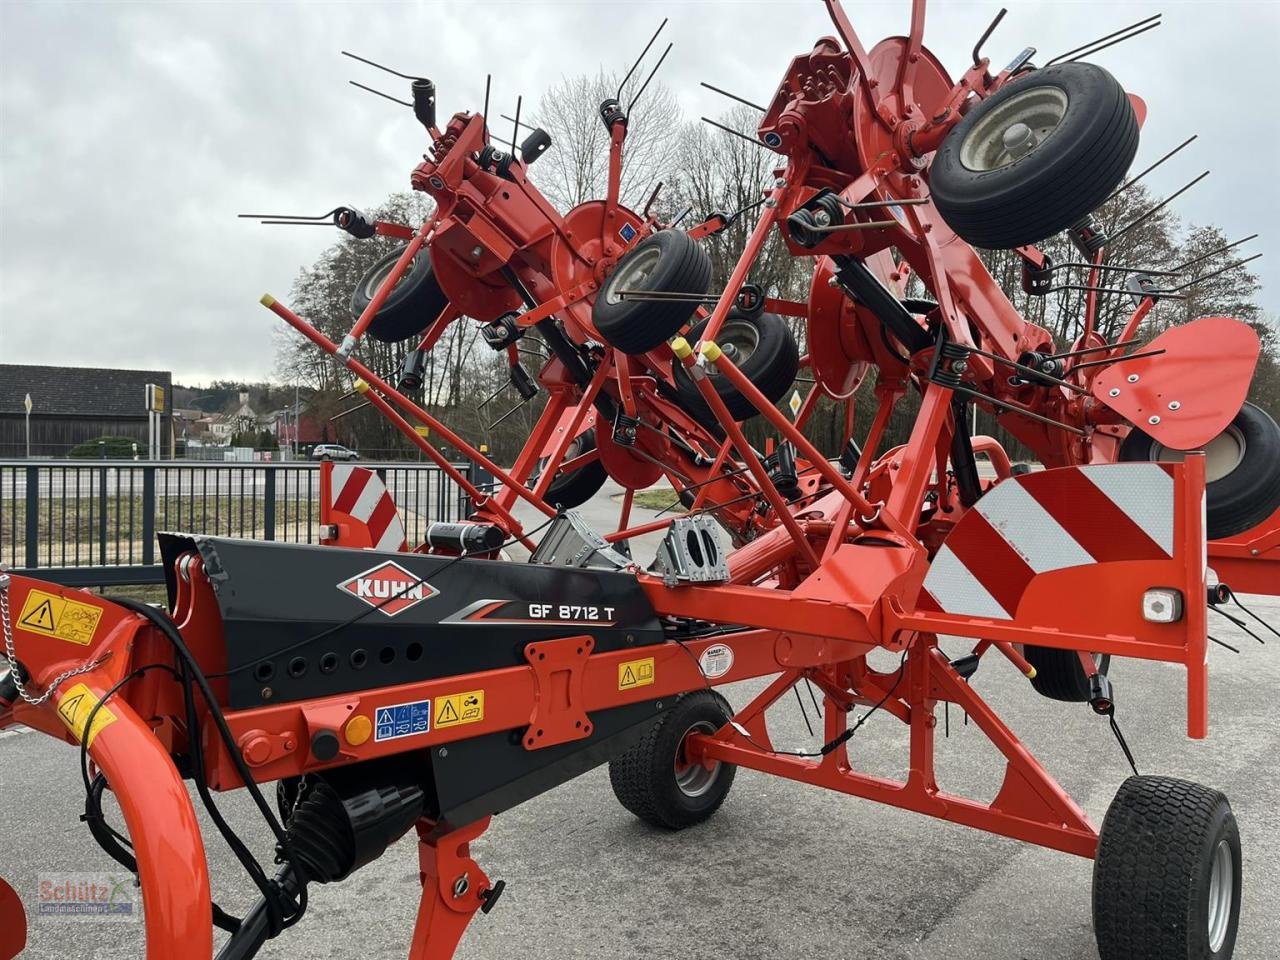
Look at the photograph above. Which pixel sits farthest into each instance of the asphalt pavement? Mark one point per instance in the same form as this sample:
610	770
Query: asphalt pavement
782	871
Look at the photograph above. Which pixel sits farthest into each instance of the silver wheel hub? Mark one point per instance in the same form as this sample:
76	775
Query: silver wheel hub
693	777
1013	129
632	273
1222	878
1222	455
738	341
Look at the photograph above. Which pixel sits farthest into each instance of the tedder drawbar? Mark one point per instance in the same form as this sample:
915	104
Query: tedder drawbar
387	687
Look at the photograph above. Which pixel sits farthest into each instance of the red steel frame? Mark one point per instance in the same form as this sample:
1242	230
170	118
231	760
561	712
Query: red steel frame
827	582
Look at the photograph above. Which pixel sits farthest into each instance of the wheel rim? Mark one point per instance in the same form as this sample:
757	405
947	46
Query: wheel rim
738	340
375	279
1222	879
1013	129
574	449
1222	455
692	777
632	273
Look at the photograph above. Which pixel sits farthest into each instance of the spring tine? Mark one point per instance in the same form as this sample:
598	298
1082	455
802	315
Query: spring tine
288	216
1209	276
1086	46
1159	206
1223	643
1106	267
488	78
1132	180
1130	356
618	95
736	133
734	96
1236	601
515	130
507	414
873	204
385	96
986	35
644	86
1107	346
1099	49
527	126
394	73
1214	253
856	225
1153	294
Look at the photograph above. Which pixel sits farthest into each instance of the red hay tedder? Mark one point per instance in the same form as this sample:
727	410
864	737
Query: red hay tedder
387	686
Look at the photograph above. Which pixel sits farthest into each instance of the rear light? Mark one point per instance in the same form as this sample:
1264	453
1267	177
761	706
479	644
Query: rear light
1162	605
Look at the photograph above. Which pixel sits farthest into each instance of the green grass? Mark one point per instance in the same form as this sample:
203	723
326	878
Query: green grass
655	498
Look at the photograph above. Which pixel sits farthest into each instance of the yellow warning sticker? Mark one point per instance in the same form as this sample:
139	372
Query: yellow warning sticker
75	708
56	616
635	673
459	708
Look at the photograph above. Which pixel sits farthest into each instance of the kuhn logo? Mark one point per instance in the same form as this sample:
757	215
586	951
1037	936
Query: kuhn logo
388	587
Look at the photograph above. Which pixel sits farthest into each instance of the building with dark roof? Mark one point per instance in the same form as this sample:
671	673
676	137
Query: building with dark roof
71	405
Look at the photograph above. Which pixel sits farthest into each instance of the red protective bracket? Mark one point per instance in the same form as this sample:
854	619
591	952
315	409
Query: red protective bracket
559	667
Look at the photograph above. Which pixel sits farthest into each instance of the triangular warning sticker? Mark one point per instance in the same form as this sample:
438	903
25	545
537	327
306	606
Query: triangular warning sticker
447	713
68	707
628	678
41	617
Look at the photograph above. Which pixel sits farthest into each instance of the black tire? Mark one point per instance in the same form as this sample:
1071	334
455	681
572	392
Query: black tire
667	261
1152	881
1059	673
416	300
1245	495
646	780
771	364
994	202
576	487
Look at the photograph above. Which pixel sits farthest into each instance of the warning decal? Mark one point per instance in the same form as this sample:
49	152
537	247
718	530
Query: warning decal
459	708
635	673
716	661
55	616
402	720
76	706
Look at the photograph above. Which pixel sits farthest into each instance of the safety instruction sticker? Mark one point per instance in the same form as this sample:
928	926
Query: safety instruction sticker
635	673
56	616
402	720
716	661
459	708
75	708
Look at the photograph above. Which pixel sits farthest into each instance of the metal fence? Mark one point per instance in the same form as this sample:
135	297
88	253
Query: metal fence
95	524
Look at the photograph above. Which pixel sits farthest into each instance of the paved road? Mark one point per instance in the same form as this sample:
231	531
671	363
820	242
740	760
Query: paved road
783	871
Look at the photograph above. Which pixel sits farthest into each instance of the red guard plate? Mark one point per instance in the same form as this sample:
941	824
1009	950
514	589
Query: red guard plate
13	923
1196	387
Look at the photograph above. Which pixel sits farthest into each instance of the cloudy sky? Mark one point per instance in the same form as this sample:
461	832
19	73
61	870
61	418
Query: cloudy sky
132	133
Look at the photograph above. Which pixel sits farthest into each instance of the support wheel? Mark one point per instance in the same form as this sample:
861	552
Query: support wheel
1241	467
667	262
413	303
1060	674
1035	157
1166	882
763	349
573	488
654	779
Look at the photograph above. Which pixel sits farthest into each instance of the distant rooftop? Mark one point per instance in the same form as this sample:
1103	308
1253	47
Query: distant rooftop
78	391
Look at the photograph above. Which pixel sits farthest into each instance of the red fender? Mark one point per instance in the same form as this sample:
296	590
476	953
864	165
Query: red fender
1189	393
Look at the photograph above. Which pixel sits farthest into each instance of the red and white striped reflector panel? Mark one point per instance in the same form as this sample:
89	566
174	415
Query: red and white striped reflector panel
1038	522
358	498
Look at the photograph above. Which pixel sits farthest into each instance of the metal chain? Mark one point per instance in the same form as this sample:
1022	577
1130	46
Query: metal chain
12	656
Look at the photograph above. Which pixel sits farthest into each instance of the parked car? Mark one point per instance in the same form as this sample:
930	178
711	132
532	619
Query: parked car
333	451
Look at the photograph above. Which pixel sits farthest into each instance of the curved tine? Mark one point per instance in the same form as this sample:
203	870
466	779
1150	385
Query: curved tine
986	35
1091	43
372	63
292	216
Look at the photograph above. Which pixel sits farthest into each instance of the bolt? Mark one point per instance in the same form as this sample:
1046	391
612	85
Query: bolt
267	693
771	202
444	751
1113	392
476	251
833	282
461	886
1175	405
1133	378
780	183
1153	420
959	366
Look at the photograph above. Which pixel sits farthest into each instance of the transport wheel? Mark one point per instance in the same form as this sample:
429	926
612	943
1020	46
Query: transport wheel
654	779
763	349
1241	465
1166	882
416	300
1059	673
669	262
576	487
1035	157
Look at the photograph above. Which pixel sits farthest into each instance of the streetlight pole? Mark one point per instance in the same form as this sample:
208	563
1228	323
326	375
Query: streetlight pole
296	425
27	404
